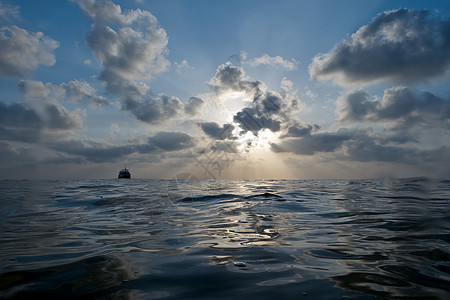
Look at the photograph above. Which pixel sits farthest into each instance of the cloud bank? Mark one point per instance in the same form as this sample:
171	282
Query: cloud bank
400	105
401	46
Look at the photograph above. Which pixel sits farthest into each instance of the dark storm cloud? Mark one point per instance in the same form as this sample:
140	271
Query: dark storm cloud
193	106
401	45
216	131
153	110
400	105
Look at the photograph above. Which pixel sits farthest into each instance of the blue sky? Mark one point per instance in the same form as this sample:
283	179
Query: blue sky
225	89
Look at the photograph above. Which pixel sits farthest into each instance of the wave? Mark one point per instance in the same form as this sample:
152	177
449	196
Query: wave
229	196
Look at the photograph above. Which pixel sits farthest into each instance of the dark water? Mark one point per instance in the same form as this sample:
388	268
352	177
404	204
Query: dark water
267	239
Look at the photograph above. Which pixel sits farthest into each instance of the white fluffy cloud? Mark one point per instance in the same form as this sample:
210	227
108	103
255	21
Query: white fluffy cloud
132	48
274	61
130	45
21	51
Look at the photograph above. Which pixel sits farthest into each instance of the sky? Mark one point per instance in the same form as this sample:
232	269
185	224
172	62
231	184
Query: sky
224	89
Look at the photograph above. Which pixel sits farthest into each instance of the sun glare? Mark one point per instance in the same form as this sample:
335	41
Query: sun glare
250	142
234	101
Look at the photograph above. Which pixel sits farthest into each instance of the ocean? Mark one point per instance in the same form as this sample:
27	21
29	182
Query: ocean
225	239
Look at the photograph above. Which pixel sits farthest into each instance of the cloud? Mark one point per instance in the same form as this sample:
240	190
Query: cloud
52	115
229	77
130	46
77	90
19	123
154	110
21	51
193	106
18	115
311	144
92	150
225	146
400	105
26	122
274	61
100	151
299	130
182	67
132	49
267	109
102	11
365	148
41	113
172	141
216	131
254	121
286	84
8	12
362	146
401	46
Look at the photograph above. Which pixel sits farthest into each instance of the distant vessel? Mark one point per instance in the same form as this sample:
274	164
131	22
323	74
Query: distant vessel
124	173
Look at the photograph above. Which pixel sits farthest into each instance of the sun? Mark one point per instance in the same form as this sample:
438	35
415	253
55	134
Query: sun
249	142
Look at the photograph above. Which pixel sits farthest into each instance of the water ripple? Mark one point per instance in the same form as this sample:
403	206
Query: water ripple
149	239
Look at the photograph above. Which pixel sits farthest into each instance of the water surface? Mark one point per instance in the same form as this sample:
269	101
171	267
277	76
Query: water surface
162	239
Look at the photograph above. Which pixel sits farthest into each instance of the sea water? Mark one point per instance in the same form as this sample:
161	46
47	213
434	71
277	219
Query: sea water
224	239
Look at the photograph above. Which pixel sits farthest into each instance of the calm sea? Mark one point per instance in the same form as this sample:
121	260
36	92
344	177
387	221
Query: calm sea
243	239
